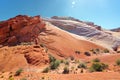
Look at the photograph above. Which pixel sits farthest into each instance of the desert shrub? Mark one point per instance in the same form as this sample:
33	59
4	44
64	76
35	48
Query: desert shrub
118	62
81	71
87	54
42	45
51	58
72	58
98	67
96	60
106	51
77	52
93	51
98	50
18	72
77	61
66	62
10	78
62	61
65	70
104	66
55	64
23	79
82	65
46	70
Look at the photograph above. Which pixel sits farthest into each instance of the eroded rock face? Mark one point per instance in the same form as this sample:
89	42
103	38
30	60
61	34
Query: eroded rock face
15	57
88	30
21	28
116	30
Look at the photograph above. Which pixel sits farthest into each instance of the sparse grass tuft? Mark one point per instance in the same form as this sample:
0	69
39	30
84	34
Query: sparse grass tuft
18	72
46	70
96	60
82	65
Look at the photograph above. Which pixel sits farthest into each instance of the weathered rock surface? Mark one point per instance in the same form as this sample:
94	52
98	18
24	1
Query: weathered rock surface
19	29
116	30
21	56
88	30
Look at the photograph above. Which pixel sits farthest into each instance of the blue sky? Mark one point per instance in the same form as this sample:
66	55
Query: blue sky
103	12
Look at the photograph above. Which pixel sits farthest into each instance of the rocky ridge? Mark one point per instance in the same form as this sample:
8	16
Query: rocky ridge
19	29
88	30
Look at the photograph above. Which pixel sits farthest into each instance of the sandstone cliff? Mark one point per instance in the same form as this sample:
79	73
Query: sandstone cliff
88	30
19	29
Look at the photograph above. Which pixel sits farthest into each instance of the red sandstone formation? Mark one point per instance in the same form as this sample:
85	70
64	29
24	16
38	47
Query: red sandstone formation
19	29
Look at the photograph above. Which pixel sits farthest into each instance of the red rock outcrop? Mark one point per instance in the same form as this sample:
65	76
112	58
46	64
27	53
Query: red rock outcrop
21	28
21	56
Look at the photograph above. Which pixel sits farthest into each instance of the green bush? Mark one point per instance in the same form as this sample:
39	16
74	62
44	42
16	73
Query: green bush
51	58
118	62
55	64
18	72
96	60
46	70
98	67
82	65
66	70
